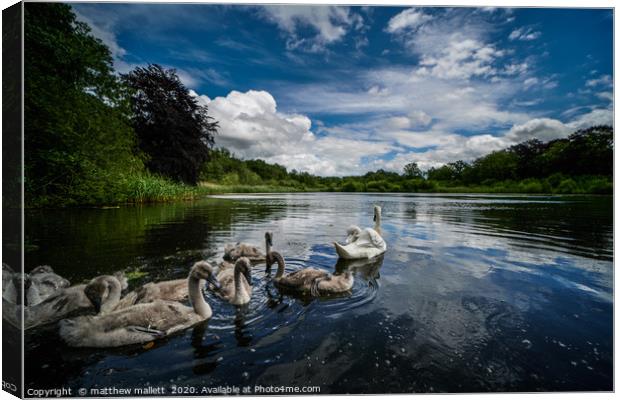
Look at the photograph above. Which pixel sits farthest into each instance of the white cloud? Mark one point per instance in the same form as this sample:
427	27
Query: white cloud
252	127
529	82
103	30
330	23
451	147
605	96
544	129
453	45
409	19
604	80
598	116
378	91
516	69
524	34
449	104
461	59
419	118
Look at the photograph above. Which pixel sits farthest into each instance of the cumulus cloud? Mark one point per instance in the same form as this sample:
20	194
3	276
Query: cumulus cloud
444	147
252	127
594	117
544	129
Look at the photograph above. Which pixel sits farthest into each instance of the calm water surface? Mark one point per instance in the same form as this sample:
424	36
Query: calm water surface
475	293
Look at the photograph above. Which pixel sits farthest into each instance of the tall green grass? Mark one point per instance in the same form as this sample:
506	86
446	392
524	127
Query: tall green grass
147	188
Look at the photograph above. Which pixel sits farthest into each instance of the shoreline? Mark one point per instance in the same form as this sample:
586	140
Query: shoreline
201	191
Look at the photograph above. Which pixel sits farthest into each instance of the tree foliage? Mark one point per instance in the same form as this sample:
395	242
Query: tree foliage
174	131
581	163
77	137
412	170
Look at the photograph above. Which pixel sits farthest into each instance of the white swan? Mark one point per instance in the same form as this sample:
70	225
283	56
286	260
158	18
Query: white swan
366	243
142	322
236	283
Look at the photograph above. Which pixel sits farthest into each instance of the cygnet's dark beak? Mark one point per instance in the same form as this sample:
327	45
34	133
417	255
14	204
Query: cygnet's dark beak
97	304
213	280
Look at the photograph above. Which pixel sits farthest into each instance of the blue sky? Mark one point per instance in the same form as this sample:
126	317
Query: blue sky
343	90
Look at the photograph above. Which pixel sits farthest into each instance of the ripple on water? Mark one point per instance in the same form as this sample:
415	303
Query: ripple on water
270	309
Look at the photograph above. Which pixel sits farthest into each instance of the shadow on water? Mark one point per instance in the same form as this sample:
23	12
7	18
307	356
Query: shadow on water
475	293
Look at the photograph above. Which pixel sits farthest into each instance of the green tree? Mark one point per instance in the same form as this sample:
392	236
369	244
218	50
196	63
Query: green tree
529	158
590	151
443	173
498	165
412	170
78	142
173	130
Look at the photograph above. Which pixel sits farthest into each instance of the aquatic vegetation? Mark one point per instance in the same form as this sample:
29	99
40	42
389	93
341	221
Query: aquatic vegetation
135	275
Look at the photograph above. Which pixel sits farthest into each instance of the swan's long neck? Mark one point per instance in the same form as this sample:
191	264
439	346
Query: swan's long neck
201	307
280	260
240	291
114	296
378	222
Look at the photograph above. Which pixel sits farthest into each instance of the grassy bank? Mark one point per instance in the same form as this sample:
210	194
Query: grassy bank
147	188
557	184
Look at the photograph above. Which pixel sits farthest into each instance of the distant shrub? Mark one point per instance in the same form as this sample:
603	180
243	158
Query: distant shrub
567	186
248	177
417	185
599	186
530	186
377	186
352	186
231	178
555	179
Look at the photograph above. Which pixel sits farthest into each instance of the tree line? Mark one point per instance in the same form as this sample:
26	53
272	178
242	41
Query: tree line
580	163
93	136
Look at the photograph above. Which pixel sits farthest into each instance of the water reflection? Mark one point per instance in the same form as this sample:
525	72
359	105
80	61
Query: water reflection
475	293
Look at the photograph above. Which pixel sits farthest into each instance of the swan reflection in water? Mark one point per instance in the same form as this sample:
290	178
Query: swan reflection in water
366	269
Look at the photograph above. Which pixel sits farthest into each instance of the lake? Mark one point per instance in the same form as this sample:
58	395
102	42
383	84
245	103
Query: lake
475	293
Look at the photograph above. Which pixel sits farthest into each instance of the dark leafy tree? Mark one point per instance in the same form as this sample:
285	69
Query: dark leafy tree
528	158
459	167
590	151
443	173
77	134
498	165
174	131
382	174
412	170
